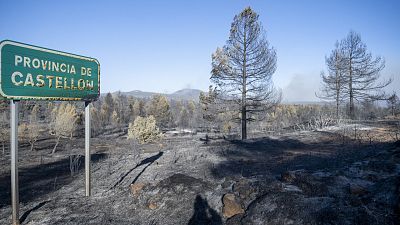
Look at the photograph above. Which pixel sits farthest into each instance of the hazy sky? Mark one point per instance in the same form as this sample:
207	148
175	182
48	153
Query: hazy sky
165	46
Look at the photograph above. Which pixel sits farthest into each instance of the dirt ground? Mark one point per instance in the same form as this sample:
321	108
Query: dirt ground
348	174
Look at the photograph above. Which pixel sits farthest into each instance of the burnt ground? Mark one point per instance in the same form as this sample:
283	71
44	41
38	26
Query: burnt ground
337	175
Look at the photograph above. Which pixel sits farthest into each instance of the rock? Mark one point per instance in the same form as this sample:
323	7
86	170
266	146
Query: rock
182	179
354	201
177	194
322	174
398	201
306	182
152	205
136	188
230	207
287	208
288	176
341	181
243	188
234	220
357	189
227	184
291	188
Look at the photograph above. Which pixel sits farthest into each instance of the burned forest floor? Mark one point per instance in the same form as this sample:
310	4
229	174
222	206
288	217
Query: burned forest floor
347	174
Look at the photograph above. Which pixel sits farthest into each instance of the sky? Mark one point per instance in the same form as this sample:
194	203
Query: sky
165	46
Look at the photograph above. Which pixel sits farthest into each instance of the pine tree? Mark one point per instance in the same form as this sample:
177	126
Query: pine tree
160	109
334	82
362	71
242	70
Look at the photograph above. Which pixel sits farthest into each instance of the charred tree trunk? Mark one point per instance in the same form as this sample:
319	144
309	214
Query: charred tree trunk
351	93
244	123
337	109
334	81
244	114
362	72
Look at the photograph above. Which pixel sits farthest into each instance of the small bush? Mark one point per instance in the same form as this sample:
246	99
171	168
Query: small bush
144	129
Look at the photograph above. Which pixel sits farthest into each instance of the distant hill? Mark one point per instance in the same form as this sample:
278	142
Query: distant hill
184	94
305	103
193	94
139	94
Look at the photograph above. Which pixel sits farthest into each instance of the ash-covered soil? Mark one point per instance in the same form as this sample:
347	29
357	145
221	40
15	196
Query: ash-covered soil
337	175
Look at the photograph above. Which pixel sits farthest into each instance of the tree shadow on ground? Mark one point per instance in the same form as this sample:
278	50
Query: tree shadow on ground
40	180
266	156
203	214
26	214
150	160
147	161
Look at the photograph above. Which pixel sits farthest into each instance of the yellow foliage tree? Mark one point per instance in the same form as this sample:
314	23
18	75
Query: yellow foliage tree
144	129
63	123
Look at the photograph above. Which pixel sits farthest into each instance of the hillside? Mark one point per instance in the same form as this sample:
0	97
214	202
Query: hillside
193	94
312	177
183	94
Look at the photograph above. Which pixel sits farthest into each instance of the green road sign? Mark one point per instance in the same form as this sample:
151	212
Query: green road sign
31	72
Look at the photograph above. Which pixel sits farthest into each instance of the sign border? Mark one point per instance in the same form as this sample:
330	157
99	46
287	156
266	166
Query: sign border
3	96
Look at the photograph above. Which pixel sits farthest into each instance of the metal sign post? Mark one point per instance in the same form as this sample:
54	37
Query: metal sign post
14	162
30	72
87	148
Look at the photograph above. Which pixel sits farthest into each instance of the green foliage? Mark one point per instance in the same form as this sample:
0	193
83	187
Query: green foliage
144	129
95	123
183	118
160	109
107	108
208	104
137	109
